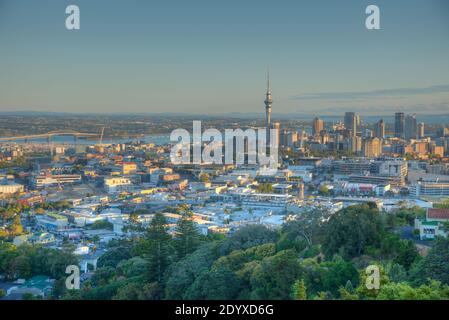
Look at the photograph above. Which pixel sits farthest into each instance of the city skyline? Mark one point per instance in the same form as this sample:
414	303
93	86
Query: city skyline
322	58
250	151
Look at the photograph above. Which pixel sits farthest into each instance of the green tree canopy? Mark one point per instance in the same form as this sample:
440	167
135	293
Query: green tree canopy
187	237
434	266
351	230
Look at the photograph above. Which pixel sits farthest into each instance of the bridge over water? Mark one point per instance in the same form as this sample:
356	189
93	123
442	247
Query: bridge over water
51	134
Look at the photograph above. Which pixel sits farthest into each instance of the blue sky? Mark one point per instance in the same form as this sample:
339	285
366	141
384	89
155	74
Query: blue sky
211	56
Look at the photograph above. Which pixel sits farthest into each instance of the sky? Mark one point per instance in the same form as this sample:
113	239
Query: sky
211	57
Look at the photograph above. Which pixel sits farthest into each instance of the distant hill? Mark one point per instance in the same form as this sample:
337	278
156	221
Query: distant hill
433	118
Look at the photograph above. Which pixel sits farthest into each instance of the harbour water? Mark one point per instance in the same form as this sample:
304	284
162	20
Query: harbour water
69	140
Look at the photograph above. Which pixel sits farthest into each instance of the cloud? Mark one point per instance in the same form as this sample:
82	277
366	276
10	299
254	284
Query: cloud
374	94
422	109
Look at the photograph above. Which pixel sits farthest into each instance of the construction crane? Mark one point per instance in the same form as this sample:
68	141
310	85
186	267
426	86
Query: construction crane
101	136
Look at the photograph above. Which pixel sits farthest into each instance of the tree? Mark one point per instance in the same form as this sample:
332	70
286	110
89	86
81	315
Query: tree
204	177
113	256
214	284
106	292
30	296
396	272
134	224
4	233
182	274
407	253
299	290
101	224
403	291
351	230
130	291
272	278
20	267
445	226
371	293
59	288
16	226
337	273
265	188
238	258
348	292
406	216
102	276
187	237
152	291
306	229
158	242
401	251
182	208
434	266
444	204
324	190
132	268
247	237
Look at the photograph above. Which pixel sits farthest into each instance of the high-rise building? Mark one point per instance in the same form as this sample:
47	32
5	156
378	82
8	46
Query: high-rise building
399	124
292	138
437	150
318	126
351	123
302	137
443	132
355	144
283	138
268	103
380	129
410	127
277	127
372	147
421	130
368	133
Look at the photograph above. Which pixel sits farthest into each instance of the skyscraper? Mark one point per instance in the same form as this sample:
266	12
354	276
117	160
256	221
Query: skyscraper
268	103
292	138
380	129
355	144
421	130
410	127
283	137
318	126
399	124
371	147
367	133
351	123
277	127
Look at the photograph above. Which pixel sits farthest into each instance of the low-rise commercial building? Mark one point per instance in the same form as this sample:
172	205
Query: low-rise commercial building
118	184
433	225
430	189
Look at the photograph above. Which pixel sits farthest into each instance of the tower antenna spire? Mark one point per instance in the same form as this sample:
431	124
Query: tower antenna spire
268	80
268	103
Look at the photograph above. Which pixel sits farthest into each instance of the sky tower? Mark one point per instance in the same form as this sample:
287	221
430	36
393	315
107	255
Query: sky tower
268	103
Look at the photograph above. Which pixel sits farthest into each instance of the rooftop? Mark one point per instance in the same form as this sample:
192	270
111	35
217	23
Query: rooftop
435	213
